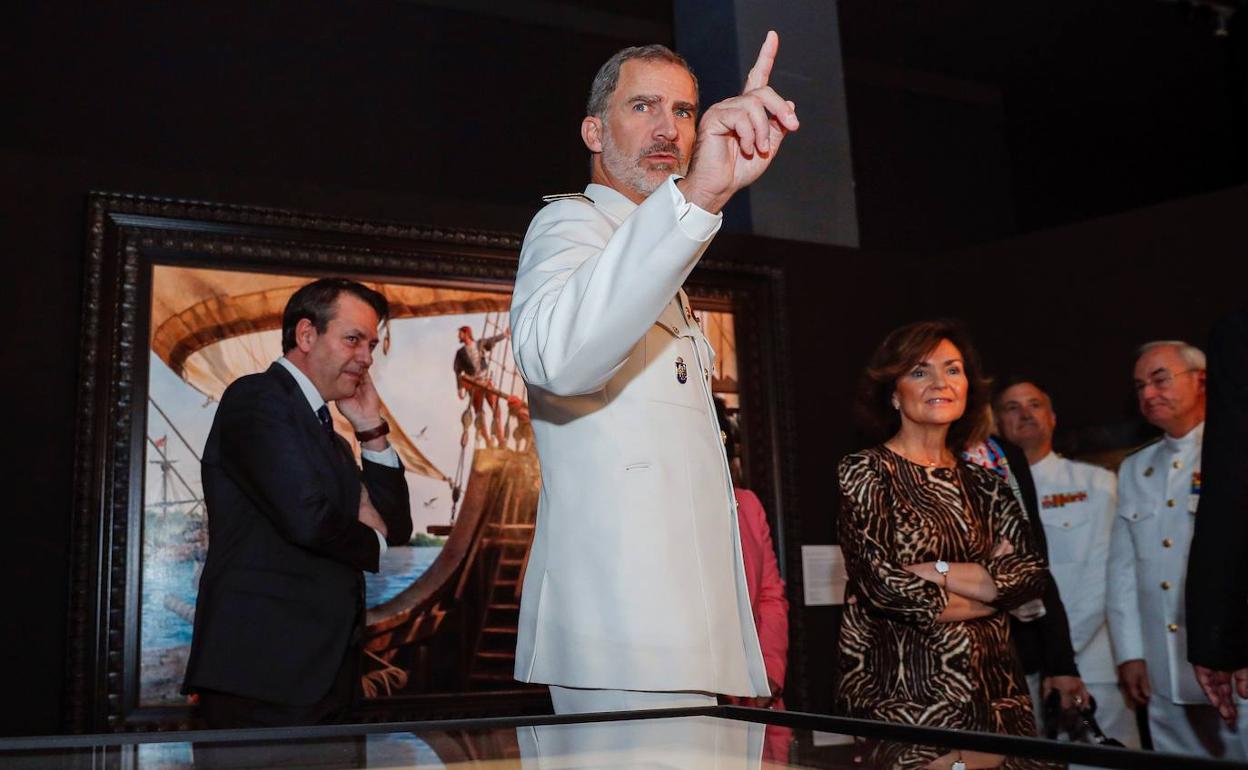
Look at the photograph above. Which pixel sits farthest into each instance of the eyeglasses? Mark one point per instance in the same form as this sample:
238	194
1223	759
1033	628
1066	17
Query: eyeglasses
1163	380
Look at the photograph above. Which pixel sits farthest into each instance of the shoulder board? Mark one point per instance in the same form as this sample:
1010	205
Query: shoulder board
566	197
1142	447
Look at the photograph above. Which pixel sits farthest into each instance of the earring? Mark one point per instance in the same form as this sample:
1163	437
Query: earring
896	405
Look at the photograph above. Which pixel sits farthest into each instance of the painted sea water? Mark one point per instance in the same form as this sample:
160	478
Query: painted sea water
170	585
399	569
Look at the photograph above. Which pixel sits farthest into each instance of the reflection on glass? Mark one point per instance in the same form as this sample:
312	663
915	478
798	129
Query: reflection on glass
681	743
689	743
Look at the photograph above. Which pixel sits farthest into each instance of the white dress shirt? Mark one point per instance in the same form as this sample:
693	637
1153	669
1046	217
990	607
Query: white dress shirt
388	456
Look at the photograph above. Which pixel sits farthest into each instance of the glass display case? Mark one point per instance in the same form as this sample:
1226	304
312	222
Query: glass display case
722	738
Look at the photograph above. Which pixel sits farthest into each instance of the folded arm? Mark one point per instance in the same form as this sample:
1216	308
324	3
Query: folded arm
1020	571
386	487
865	530
269	457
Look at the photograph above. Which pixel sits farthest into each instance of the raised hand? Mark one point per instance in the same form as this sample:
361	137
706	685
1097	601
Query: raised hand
363	408
739	137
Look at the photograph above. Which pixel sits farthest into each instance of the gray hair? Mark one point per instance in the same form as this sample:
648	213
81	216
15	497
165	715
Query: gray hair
608	76
1193	356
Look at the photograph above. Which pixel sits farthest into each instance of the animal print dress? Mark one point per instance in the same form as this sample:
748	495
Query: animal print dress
897	663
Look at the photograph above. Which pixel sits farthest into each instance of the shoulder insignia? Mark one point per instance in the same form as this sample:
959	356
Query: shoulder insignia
566	197
1142	447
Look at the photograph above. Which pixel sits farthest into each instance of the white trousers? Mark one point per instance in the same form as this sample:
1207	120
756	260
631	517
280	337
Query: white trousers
574	700
1196	730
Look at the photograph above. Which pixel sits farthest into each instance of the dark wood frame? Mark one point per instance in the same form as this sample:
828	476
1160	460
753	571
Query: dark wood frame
127	234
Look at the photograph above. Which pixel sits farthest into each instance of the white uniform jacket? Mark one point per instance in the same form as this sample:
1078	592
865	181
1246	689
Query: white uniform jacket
1158	489
635	580
1077	506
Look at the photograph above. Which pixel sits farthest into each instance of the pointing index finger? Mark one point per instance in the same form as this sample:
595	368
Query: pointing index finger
760	73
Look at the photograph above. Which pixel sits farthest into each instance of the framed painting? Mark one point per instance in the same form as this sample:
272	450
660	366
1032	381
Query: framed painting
182	298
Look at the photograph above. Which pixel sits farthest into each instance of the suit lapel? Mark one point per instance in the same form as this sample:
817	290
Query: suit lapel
331	449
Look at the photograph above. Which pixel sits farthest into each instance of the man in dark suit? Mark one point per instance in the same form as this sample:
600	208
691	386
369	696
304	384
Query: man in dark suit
292	520
1217	578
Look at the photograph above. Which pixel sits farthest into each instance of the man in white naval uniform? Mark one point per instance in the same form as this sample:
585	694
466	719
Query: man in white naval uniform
1077	506
1158	492
635	594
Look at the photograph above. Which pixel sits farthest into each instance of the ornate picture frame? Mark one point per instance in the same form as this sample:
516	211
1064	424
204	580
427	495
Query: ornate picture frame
129	237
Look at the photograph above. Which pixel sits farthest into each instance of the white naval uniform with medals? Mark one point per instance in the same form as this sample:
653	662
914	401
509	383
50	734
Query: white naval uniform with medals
635	580
1077	506
1158	492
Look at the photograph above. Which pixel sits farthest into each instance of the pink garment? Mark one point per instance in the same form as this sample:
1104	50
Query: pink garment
771	611
766	587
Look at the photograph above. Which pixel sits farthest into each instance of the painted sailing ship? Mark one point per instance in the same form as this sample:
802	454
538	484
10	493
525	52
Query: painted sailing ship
451	628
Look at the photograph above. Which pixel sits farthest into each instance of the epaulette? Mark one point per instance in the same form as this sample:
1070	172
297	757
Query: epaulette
566	197
1142	447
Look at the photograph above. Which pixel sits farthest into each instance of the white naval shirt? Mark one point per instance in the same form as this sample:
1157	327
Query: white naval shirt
1158	490
1077	504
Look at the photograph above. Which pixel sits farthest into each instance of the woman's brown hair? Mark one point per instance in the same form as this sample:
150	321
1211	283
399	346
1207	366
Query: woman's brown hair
900	351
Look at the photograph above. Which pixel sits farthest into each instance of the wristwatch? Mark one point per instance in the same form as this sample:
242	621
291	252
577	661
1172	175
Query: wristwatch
377	432
942	569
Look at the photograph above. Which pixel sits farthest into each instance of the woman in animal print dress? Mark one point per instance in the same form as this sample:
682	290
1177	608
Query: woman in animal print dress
937	550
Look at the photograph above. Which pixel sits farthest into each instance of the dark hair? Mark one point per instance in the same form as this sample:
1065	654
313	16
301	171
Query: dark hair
1000	386
896	355
608	77
318	302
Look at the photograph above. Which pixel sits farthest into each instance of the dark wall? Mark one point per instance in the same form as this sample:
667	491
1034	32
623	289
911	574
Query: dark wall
401	98
930	158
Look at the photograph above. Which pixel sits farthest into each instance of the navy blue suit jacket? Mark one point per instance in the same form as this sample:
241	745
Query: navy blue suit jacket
281	597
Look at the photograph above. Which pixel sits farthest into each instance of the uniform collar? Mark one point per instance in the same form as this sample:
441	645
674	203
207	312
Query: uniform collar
1046	464
610	200
616	203
309	390
1186	442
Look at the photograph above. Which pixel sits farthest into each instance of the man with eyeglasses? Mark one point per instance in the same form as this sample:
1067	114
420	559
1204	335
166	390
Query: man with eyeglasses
1158	493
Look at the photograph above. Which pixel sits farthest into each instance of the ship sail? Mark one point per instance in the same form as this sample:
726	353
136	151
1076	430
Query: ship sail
203	321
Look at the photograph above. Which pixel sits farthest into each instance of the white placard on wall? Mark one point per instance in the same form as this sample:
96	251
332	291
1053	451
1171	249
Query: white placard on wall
823	575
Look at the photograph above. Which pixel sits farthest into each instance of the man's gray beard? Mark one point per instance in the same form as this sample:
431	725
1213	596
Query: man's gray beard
628	171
